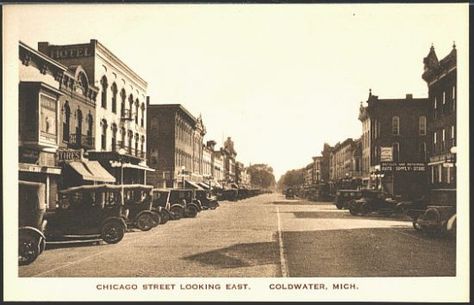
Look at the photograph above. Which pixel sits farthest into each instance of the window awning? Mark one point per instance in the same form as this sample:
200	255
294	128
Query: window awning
91	171
193	185
130	165
204	185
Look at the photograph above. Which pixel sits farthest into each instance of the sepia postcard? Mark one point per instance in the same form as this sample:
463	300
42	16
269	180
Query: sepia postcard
236	152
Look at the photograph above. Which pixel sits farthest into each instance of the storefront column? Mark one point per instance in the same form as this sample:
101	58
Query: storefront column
47	192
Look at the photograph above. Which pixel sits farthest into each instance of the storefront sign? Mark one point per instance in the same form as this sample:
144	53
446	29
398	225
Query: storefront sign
402	166
69	155
32	168
386	154
81	51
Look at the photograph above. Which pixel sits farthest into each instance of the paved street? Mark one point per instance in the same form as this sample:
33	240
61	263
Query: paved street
264	236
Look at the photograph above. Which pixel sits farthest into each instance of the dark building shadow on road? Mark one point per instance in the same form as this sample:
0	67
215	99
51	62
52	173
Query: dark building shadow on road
345	215
240	255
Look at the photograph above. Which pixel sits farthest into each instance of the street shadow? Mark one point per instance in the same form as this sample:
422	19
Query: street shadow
294	202
98	242
239	255
368	252
342	214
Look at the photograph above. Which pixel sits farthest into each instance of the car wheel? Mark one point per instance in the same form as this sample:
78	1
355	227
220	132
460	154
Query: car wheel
165	217
178	212
145	222
191	212
353	211
339	206
28	249
112	232
416	225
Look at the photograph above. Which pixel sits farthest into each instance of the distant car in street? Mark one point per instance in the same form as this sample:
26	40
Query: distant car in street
373	201
289	193
344	196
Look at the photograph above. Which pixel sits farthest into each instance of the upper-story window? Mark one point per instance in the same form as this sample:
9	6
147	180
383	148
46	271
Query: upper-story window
90	125
79	126
130	102
122	143
104	85
104	135
123	97
66	121
114	98
137	106
396	151
395	125
114	137
137	138
422	125
142	123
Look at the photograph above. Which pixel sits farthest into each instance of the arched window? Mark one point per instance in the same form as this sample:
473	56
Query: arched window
79	127
114	98
114	137
104	85
396	151
395	125
122	142
143	115
130	108
422	125
142	147
90	124
137	139
137	106
130	138
66	122
104	135
123	97
422	151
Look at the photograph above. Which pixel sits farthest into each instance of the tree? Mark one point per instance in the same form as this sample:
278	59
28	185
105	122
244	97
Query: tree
261	175
292	178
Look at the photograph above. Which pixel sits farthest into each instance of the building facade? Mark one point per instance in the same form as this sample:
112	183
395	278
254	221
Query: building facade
440	76
228	153
395	144
217	164
175	145
120	109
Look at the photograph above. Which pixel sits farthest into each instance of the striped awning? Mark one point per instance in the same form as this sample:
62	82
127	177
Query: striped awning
91	171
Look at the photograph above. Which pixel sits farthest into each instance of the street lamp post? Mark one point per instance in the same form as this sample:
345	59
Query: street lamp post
121	152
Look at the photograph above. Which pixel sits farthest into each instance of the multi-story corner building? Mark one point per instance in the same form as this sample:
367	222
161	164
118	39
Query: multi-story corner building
120	110
174	146
217	164
345	160
395	144
39	108
228	153
440	76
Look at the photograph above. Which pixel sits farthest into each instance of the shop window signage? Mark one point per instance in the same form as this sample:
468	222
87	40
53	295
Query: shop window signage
402	167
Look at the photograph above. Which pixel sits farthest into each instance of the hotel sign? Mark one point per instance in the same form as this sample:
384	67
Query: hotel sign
402	166
71	52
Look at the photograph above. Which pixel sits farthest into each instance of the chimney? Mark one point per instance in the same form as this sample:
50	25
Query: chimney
43	47
409	96
148	101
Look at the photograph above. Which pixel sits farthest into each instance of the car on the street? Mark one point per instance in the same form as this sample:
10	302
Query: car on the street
373	201
289	193
205	200
230	194
32	207
137	199
175	203
437	215
88	212
344	196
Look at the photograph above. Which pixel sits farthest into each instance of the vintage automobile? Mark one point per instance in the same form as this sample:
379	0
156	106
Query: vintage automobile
344	196
436	215
373	201
137	199
230	194
205	200
87	212
175	203
32	207
289	193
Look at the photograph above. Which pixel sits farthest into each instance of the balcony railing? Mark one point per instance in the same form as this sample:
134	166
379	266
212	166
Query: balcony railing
129	150
81	141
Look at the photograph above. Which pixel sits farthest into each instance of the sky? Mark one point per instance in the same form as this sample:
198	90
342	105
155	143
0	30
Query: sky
280	80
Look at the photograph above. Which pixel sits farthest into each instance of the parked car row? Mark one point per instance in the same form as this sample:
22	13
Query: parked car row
99	212
434	214
234	194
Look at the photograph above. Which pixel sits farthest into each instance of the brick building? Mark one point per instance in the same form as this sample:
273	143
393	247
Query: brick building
440	76
120	112
228	155
395	144
175	145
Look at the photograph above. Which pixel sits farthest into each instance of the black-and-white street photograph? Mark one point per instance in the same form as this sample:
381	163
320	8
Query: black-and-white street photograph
238	141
